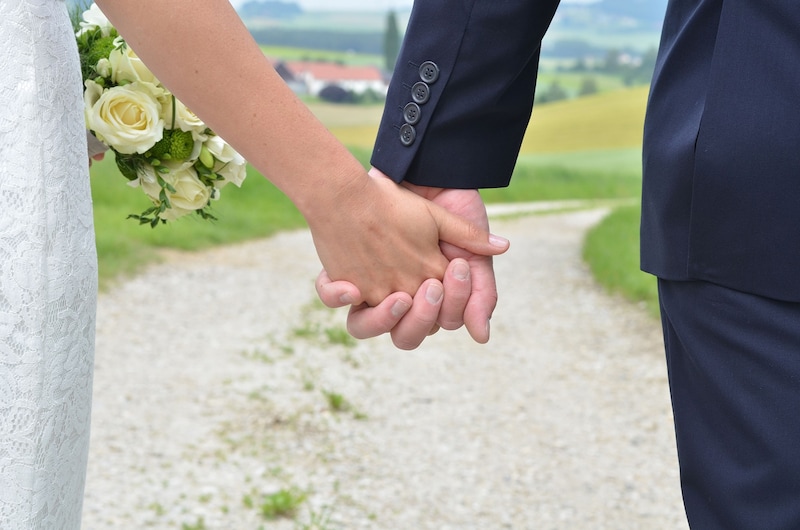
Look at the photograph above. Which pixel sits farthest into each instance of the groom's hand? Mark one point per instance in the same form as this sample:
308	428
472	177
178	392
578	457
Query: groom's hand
475	308
470	293
408	320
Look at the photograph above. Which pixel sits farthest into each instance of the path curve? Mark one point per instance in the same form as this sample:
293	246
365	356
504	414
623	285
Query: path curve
216	371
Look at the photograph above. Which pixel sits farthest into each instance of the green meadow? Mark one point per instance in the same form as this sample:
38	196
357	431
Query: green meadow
586	148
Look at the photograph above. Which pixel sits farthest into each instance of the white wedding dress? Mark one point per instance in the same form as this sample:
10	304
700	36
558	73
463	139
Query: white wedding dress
48	275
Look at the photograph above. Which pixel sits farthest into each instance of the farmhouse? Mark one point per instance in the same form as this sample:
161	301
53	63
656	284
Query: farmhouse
305	77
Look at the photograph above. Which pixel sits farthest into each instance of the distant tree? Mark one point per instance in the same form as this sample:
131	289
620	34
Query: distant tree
643	73
335	94
580	65
588	86
648	63
612	63
391	42
554	92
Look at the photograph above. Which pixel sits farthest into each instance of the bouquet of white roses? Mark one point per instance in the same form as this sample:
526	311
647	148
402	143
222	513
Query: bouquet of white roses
160	146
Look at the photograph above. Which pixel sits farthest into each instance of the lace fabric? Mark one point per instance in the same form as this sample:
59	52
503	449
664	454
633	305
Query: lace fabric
48	274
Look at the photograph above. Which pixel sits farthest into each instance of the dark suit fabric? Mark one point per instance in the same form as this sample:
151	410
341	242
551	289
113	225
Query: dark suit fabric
720	210
734	387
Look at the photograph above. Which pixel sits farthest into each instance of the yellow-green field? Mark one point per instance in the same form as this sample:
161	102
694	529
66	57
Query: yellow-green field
610	120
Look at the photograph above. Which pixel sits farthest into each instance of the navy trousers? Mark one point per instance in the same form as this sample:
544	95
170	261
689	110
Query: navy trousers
734	370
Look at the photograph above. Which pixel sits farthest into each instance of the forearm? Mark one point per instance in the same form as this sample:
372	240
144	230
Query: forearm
203	53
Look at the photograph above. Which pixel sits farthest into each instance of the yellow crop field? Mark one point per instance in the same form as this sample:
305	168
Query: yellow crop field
610	120
353	125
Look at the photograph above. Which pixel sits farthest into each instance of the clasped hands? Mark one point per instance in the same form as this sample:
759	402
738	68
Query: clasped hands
432	242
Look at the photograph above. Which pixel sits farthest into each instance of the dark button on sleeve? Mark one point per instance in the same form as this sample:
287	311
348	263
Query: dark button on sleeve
429	72
407	134
412	113
420	92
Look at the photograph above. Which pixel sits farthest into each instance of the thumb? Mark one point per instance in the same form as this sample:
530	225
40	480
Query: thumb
464	234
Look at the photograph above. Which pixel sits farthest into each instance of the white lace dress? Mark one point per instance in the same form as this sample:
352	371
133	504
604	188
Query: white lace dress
47	270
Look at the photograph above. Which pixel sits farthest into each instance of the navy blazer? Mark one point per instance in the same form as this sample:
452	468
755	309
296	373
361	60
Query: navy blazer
721	146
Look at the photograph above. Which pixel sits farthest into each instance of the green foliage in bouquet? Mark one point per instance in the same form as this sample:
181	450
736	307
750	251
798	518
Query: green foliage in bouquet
160	146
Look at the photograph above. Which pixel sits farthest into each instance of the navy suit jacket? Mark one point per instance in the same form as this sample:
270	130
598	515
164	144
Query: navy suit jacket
721	146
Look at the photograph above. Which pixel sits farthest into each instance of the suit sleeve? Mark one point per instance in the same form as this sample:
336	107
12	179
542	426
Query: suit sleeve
462	92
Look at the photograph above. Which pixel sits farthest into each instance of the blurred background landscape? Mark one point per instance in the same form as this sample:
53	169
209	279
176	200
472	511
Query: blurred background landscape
583	142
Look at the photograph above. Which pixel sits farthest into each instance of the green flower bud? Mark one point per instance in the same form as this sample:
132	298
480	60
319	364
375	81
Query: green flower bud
206	158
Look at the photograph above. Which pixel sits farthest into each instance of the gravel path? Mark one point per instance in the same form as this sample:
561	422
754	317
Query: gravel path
220	381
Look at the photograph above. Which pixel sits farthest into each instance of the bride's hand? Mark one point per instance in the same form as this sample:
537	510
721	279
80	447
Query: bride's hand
385	239
97	158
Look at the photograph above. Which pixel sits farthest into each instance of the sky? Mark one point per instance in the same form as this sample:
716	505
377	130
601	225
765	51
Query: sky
372	5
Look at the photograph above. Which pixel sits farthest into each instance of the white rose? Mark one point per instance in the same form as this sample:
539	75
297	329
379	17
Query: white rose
127	67
94	19
229	164
190	193
221	149
185	119
233	172
128	118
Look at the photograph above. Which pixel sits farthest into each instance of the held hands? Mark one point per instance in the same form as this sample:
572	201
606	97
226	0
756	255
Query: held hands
462	307
467	296
384	239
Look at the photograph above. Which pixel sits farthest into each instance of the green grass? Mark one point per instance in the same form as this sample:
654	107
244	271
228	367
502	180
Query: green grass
612	252
281	504
612	174
336	401
258	209
626	160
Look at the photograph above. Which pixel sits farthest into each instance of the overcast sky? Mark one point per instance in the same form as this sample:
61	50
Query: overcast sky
372	5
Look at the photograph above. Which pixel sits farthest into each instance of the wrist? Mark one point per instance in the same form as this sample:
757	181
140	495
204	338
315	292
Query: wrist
342	193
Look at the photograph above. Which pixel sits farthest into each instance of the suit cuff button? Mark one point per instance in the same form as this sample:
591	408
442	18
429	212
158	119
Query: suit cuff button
420	92
429	72
412	113
407	134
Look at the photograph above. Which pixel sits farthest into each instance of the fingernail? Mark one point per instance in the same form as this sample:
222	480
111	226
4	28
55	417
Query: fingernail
434	294
347	298
497	241
461	271
488	329
399	308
